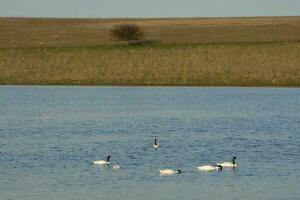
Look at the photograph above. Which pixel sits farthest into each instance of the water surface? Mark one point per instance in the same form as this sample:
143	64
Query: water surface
50	135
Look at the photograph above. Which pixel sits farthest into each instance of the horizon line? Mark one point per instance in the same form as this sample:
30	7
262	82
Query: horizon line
180	17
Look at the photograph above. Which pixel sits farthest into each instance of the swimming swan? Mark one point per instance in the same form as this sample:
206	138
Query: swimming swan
116	167
169	171
102	162
210	168
155	145
229	164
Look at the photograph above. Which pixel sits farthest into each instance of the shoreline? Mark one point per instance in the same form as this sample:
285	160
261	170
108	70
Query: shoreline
148	86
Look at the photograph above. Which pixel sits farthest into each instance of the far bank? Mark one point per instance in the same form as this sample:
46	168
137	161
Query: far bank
226	64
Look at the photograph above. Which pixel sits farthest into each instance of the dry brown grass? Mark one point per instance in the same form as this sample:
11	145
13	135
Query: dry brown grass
236	64
208	51
37	32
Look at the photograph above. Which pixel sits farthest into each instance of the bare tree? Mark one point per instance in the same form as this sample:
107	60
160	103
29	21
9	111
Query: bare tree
130	33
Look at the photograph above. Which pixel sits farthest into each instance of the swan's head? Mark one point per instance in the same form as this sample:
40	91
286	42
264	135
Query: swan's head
233	160
108	157
179	171
220	167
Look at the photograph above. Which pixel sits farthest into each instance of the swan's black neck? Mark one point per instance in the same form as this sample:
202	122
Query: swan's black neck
179	171
155	141
108	157
220	167
233	160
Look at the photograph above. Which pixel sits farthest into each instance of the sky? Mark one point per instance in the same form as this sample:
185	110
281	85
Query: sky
148	8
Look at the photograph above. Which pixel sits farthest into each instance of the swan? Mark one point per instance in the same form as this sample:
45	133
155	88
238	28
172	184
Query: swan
229	164
169	171
116	167
155	145
102	162
210	168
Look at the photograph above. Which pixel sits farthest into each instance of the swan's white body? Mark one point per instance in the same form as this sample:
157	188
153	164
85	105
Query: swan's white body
116	167
156	144
101	162
227	164
209	168
168	171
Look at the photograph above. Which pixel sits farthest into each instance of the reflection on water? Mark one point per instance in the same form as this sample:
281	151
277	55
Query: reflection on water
50	135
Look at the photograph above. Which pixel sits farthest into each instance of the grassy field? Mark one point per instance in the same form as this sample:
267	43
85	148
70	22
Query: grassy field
237	64
37	32
204	51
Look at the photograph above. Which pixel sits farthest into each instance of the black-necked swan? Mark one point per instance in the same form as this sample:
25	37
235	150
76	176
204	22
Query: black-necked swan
229	164
210	168
102	162
155	145
169	171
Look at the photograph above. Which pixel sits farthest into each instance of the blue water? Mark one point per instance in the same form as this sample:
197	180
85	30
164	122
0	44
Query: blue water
50	135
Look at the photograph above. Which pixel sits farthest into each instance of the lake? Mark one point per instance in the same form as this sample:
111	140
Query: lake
49	136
